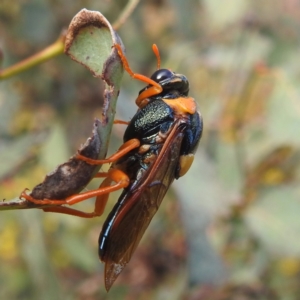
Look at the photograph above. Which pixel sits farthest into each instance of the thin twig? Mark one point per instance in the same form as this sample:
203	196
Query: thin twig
129	8
51	51
57	47
19	204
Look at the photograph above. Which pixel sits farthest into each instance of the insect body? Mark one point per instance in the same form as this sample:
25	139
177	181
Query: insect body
159	144
168	128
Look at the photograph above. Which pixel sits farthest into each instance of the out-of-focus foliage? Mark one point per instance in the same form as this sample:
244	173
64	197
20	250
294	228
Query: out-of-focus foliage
230	228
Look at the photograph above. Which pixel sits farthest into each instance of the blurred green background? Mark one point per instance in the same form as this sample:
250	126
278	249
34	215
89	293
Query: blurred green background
231	227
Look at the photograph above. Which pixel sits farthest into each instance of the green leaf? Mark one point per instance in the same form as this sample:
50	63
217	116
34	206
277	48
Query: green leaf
283	115
89	41
274	219
55	150
222	13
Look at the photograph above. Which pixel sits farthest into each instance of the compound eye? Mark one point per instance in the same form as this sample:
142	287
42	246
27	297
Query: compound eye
162	74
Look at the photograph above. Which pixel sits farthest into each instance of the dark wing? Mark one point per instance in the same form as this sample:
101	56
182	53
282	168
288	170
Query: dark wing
139	207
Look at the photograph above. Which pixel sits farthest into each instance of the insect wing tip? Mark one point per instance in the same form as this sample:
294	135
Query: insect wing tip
112	271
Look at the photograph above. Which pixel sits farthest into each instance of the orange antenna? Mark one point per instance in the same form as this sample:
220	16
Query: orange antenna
156	87
156	52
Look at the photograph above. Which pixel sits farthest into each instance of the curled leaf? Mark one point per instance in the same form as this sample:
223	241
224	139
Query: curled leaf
72	176
89	41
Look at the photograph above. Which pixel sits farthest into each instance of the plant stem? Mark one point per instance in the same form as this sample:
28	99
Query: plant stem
129	8
53	50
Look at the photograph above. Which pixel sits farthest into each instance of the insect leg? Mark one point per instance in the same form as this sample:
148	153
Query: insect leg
114	175
155	88
124	149
121	122
70	211
99	204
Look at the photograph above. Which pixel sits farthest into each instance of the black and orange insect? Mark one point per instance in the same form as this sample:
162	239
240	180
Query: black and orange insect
159	146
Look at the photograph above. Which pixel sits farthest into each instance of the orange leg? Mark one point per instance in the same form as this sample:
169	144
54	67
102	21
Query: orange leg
121	122
124	149
99	204
114	175
154	90
70	211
